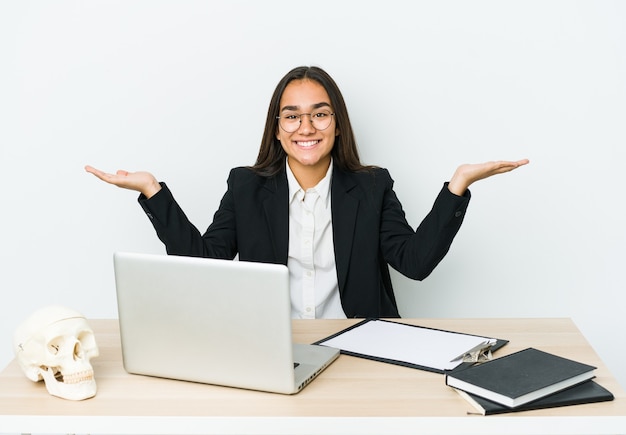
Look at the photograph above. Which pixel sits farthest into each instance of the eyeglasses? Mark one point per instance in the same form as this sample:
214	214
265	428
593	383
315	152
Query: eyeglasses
290	122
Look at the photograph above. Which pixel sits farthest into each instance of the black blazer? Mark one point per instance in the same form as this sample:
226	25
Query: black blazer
370	231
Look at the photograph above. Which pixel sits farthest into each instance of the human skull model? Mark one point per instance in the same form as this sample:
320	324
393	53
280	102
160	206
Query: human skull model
56	344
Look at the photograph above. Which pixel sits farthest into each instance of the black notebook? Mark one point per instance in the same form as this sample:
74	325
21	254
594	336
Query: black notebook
521	377
587	392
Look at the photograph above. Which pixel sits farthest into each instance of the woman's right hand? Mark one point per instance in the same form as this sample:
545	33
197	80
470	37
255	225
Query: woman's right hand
143	182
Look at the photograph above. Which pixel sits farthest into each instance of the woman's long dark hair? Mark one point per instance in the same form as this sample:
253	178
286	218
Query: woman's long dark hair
271	156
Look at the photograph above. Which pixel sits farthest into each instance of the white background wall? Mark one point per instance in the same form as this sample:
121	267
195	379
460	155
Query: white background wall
181	88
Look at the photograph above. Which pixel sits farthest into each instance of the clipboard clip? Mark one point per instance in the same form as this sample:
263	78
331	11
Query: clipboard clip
479	353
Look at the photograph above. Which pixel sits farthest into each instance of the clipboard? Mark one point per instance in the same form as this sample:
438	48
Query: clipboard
418	347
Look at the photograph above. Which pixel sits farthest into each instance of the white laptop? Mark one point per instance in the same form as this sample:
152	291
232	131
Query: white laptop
212	321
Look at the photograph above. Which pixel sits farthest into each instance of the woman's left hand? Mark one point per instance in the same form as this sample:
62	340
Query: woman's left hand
467	174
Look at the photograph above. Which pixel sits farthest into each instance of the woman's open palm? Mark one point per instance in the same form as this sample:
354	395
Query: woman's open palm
141	181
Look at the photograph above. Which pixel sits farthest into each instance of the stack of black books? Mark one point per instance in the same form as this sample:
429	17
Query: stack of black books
525	380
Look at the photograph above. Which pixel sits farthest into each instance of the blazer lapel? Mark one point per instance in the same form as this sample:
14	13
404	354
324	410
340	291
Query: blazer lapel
344	211
276	207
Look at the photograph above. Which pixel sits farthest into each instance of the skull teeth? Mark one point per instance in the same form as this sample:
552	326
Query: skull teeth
75	378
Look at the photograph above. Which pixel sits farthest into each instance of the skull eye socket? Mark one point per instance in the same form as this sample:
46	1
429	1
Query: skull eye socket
54	345
78	351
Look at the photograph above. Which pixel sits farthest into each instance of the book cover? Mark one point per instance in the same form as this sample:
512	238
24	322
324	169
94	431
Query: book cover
587	392
520	377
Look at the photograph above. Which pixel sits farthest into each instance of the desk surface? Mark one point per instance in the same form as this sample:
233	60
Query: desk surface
352	395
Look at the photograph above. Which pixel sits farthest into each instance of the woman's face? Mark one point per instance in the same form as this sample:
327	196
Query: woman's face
308	148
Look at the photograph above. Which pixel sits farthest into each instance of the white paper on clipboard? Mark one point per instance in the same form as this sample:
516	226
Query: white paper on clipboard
426	347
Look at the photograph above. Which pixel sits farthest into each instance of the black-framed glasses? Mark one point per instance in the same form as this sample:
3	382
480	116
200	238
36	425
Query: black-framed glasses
291	121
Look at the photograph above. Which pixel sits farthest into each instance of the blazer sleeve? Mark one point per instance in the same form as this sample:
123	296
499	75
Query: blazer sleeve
181	237
416	253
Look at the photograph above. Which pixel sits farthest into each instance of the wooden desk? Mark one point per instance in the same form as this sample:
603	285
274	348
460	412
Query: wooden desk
353	395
